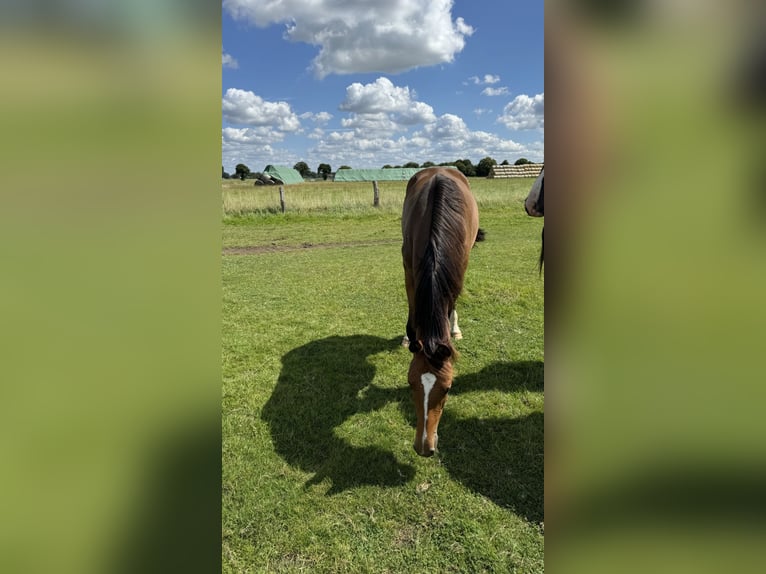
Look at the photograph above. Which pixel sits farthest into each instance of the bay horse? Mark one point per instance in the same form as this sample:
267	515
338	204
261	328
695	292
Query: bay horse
440	224
534	206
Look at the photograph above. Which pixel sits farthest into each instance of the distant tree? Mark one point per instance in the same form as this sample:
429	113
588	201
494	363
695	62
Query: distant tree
466	167
324	170
521	161
411	164
485	166
241	171
344	167
397	166
302	168
387	166
504	162
427	164
224	175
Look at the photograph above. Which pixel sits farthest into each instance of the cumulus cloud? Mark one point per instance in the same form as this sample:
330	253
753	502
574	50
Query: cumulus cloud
257	157
258	147
383	97
369	125
503	91
445	139
373	36
322	117
319	118
524	113
487	79
246	108
380	96
451	138
252	146
261	135
228	61
263	124
316	134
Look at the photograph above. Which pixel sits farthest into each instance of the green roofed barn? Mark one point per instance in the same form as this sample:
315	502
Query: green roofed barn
387	174
282	174
376	175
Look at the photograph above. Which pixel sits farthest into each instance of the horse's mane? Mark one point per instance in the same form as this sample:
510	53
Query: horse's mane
440	277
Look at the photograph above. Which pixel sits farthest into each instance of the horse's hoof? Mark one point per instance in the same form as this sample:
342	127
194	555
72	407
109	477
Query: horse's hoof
406	342
457	336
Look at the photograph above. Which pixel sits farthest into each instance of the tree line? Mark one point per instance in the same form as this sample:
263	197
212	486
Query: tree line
481	169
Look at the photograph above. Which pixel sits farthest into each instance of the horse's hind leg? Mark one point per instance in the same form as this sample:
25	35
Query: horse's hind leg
455	331
410	335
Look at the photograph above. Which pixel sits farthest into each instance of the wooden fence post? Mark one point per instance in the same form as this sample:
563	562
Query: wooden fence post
375	194
282	198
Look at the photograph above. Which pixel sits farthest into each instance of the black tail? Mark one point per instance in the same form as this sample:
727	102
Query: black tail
440	277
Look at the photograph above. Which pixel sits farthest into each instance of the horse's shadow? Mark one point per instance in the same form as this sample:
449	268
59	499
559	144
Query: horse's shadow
500	458
318	389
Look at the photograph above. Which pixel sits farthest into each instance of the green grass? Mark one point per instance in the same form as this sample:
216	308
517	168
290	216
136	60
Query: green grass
319	474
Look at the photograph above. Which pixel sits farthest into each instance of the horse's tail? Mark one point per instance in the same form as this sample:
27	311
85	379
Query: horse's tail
440	277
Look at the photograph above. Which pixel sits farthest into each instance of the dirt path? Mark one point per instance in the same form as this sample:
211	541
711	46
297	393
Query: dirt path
273	248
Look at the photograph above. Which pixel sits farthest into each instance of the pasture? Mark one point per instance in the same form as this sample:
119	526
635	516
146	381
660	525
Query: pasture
319	474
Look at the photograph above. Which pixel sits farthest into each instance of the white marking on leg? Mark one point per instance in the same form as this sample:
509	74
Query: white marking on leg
454	327
427	380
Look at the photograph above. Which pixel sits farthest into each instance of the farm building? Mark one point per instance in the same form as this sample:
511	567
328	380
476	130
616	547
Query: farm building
524	170
387	174
282	174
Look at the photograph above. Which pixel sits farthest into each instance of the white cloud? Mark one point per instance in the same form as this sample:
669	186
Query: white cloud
255	150
316	134
524	113
228	61
260	136
318	118
447	138
371	125
382	96
450	138
322	117
487	79
503	91
451	135
253	147
246	108
381	123
373	36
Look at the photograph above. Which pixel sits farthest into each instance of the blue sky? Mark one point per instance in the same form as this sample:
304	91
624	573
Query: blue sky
366	83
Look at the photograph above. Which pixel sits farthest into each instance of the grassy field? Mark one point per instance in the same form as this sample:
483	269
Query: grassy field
319	474
243	198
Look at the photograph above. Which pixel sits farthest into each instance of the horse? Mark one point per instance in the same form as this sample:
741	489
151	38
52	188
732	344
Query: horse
535	208
440	224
